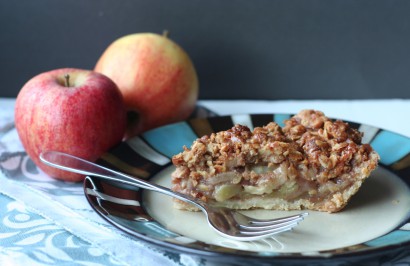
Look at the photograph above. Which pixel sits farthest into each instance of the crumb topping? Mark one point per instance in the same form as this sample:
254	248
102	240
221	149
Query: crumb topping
310	147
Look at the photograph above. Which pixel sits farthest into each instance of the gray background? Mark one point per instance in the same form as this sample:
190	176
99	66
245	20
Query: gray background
254	49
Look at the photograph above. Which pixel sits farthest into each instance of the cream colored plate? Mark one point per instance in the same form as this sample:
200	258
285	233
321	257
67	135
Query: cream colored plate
379	207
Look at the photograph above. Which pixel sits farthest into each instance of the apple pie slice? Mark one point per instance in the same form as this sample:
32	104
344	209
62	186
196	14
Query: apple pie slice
312	163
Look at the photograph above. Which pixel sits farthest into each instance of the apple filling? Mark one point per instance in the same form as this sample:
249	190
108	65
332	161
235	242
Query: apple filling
312	163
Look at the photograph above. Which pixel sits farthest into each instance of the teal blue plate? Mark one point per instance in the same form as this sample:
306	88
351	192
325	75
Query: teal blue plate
149	155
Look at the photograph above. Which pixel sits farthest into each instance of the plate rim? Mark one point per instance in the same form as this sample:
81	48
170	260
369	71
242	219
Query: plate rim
379	251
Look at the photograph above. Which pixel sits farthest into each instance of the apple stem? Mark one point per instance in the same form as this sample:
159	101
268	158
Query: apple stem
165	33
67	80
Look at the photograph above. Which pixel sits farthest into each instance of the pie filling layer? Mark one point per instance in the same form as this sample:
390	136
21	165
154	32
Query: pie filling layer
312	163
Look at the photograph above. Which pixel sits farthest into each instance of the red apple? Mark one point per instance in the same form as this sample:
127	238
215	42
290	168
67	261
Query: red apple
156	77
76	111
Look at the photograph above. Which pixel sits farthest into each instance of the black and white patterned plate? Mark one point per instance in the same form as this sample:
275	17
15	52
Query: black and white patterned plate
375	226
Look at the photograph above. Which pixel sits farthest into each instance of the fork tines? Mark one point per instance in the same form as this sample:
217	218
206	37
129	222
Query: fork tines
257	227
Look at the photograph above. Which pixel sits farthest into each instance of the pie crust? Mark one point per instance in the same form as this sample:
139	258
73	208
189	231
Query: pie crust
311	163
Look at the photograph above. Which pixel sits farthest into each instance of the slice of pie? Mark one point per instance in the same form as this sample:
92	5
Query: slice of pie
312	163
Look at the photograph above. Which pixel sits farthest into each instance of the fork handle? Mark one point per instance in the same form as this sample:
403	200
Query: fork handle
78	165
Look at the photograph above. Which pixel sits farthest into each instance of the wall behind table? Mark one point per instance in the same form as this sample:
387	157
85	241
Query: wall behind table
262	49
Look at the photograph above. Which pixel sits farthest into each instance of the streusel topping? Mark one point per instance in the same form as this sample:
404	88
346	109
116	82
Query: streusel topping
311	158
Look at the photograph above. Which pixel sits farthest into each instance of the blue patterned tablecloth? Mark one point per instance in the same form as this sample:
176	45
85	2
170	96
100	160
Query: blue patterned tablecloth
49	222
26	237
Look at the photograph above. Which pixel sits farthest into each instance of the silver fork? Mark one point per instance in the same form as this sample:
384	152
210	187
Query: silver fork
228	223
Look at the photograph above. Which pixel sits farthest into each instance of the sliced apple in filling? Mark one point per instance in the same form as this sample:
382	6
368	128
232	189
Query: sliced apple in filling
311	163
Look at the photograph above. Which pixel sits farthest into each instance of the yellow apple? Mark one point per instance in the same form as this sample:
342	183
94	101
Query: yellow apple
156	77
